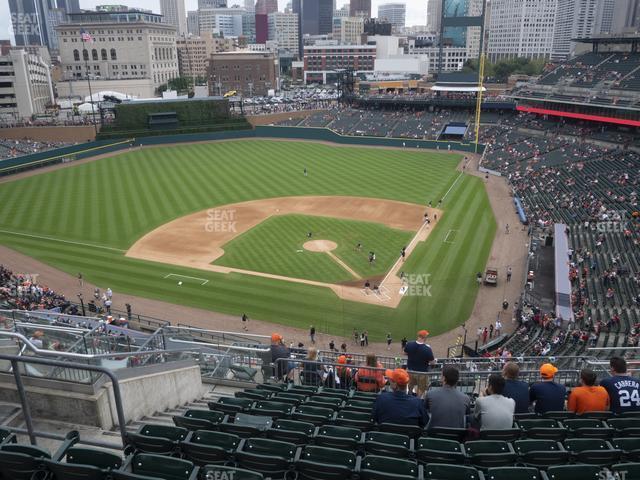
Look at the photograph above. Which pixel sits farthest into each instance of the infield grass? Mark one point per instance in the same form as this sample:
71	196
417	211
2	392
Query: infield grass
83	218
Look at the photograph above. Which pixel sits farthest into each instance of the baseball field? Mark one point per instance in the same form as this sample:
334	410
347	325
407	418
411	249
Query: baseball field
237	227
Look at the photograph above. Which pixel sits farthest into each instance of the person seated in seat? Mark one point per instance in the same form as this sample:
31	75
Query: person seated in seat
369	380
547	395
588	397
624	390
447	406
344	373
494	411
313	372
278	351
397	406
514	388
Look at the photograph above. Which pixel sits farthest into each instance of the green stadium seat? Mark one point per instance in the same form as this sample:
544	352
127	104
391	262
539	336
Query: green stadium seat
160	439
635	413
457	434
246	426
443	471
507	434
199	419
291	431
542	428
21	462
84	464
604	415
334	392
376	467
324	402
315	415
321	463
626	470
588	428
302	389
333	436
540	453
630	447
625	426
413	431
525	416
231	405
559	415
592	451
204	447
439	450
254	394
6	436
271	458
574	472
388	444
364	406
514	473
156	466
291	398
364	396
490	453
347	418
271	409
221	471
272	387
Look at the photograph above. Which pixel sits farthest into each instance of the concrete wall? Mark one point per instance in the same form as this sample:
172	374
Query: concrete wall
78	134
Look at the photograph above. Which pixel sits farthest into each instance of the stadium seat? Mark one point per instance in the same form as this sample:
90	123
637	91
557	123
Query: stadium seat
542	428
271	409
246	426
160	439
635	413
302	389
292	398
413	431
387	444
490	453
588	428
625	426
231	405
604	415
540	453
272	387
199	419
626	470
574	472
146	466
254	394
358	405
559	415
291	431
334	392
376	467
439	450
321	463
524	416
315	415
20	462
457	434
221	471
324	402
271	458
333	436
630	447
443	471
204	447
360	420
6	436
364	396
592	451
84	464
507	434
514	473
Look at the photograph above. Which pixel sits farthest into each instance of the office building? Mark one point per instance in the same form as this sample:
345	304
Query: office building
174	14
248	73
349	30
262	10
194	53
434	15
193	28
283	29
322	61
394	13
360	8
221	21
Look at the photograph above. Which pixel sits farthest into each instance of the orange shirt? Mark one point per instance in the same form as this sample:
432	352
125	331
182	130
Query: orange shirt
588	399
378	375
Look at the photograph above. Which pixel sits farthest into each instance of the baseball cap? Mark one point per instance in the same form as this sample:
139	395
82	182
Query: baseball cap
547	370
342	359
423	333
275	338
398	375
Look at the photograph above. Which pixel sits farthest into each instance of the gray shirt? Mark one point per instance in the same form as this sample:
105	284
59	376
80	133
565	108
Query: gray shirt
494	412
447	407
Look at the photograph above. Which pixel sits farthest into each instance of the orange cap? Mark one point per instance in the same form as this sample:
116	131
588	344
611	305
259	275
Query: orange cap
399	376
276	337
423	333
342	359
547	370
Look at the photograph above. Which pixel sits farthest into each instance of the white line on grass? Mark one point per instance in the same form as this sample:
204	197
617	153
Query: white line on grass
41	237
447	237
203	280
452	185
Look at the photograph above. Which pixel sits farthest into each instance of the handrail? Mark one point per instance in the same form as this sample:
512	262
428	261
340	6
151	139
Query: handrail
39	326
228	347
182	326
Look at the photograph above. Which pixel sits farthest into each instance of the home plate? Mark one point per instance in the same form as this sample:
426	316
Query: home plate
299	251
403	290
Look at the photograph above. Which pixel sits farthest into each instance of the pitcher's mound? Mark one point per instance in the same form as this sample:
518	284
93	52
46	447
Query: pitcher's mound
320	245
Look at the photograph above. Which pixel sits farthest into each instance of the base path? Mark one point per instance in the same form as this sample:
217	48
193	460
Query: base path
197	240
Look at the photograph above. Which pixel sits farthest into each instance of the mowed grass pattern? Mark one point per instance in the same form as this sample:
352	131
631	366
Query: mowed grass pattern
114	201
276	246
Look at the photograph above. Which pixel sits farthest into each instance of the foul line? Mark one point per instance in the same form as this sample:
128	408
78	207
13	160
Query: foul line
41	237
203	280
344	265
452	185
449	233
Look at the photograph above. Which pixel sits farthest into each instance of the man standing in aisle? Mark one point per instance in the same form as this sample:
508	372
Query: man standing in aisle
419	357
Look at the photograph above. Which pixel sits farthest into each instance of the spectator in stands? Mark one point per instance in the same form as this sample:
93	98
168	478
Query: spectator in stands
547	395
419	357
588	397
514	388
368	379
37	339
494	411
312	371
447	406
623	390
344	373
396	406
278	351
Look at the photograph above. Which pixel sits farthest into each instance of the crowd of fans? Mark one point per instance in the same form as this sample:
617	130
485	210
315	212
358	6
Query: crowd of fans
10	148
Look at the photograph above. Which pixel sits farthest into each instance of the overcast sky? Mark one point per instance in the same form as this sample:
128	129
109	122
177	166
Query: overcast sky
416	9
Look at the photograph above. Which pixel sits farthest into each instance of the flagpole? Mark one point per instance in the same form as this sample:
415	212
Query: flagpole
86	64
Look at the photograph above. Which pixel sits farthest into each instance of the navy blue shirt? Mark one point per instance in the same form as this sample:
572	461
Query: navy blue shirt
418	356
548	396
519	391
624	393
398	407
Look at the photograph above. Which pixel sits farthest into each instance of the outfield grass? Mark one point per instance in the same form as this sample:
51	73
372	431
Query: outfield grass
103	207
275	246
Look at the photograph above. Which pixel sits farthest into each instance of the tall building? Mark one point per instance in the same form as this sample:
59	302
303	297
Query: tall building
221	21
349	30
69	6
194	53
315	17
341	12
26	84
192	23
283	29
131	52
250	5
394	13
248	73
249	27
174	14
212	4
263	9
360	8
434	15
626	17
33	21
521	28
322	61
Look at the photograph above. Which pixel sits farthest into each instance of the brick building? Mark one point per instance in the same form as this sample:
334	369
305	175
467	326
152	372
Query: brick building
248	73
322	62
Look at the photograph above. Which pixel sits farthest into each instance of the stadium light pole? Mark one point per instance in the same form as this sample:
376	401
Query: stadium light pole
85	54
479	99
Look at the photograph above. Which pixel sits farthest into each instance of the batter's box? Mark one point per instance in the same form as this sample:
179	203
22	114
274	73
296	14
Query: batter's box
180	278
451	236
